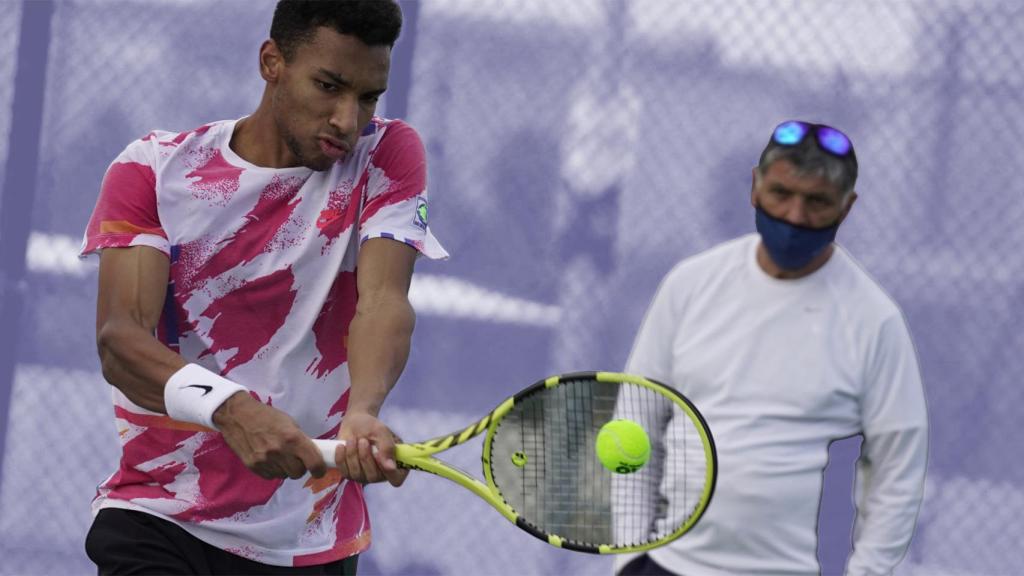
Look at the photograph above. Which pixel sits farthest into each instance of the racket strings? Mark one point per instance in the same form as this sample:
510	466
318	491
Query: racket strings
563	489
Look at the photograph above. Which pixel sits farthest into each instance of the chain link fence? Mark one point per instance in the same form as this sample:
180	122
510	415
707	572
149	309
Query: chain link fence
625	133
578	149
9	20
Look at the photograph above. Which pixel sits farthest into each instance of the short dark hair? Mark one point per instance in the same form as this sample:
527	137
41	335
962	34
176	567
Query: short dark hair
374	22
809	158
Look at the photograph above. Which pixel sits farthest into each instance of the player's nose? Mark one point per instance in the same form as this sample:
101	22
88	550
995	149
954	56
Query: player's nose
796	212
345	116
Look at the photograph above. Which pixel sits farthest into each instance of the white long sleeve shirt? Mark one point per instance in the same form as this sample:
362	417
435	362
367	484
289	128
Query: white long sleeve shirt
780	368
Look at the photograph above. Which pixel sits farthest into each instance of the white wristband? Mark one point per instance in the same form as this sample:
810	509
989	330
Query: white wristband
193	393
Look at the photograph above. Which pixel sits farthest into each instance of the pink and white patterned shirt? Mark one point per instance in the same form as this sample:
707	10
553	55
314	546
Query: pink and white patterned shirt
262	290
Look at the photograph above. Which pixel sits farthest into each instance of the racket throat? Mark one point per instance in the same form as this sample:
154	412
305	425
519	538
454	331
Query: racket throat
460	477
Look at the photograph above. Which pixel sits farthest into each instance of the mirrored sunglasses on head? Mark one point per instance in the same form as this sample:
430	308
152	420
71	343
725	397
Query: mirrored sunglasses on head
793	132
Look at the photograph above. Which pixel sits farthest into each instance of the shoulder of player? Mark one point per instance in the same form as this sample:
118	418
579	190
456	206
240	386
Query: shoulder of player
718	261
169	138
392	134
157	143
859	292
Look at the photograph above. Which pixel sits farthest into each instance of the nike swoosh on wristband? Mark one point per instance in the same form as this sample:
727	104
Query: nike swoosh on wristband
206	389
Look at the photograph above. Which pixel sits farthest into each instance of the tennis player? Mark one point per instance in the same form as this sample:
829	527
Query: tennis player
786	344
253	294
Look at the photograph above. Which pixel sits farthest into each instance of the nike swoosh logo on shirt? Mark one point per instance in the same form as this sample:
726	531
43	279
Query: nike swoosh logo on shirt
206	389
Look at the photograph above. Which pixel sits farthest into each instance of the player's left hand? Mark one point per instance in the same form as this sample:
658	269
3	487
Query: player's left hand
368	454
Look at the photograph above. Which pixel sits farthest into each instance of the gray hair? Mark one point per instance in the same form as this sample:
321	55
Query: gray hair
811	160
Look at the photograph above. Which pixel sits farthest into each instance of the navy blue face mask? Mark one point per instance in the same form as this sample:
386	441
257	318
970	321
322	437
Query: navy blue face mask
792	247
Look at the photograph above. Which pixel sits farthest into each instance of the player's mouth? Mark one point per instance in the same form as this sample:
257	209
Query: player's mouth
333	148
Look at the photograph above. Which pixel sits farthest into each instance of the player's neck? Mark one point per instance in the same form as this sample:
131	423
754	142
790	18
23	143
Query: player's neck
765	262
257	141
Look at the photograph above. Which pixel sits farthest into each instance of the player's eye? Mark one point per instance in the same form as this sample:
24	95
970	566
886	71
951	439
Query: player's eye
325	86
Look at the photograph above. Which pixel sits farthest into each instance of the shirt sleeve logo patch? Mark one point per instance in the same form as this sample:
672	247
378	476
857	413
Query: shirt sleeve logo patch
421	213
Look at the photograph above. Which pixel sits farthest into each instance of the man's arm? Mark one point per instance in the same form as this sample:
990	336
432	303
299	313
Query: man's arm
378	347
132	290
890	487
891	470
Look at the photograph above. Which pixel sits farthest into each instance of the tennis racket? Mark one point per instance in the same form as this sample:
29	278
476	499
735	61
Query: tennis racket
542	473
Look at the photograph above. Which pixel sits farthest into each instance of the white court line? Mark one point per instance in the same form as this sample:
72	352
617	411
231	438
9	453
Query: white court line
54	254
455	298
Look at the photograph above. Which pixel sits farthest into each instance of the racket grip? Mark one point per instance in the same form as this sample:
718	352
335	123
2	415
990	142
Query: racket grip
326	448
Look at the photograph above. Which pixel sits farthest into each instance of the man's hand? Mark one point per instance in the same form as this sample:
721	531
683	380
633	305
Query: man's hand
267	440
357	459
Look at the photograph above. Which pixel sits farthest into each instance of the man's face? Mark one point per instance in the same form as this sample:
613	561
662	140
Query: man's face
809	201
326	95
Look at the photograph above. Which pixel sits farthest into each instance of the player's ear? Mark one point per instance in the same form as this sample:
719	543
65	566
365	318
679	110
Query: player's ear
848	201
753	185
271	61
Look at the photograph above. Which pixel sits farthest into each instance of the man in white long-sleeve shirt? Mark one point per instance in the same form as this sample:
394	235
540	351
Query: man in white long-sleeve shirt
786	344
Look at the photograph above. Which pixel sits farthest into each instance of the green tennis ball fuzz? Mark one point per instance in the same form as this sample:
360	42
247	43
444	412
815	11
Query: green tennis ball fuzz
622	446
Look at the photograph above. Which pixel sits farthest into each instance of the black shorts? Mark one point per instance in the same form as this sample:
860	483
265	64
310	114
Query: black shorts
643	565
129	542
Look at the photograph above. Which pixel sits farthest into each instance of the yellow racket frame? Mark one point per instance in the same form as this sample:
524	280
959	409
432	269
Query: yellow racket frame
419	456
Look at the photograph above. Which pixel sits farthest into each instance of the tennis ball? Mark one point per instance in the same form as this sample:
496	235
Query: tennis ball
622	446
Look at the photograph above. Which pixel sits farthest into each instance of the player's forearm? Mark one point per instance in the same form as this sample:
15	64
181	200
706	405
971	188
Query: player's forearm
892	480
378	348
136	362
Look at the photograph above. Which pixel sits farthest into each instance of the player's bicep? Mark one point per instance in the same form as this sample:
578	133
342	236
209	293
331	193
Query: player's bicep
385	271
132	286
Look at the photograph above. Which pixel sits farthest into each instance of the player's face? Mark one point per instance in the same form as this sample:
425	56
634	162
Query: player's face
327	94
810	201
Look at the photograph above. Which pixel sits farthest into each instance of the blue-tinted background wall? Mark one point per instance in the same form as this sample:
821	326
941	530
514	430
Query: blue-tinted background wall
577	150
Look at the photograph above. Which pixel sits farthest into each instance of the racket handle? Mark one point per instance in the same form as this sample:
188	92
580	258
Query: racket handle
326	448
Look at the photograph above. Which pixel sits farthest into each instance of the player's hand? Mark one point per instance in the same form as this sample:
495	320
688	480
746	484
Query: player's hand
267	440
368	454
